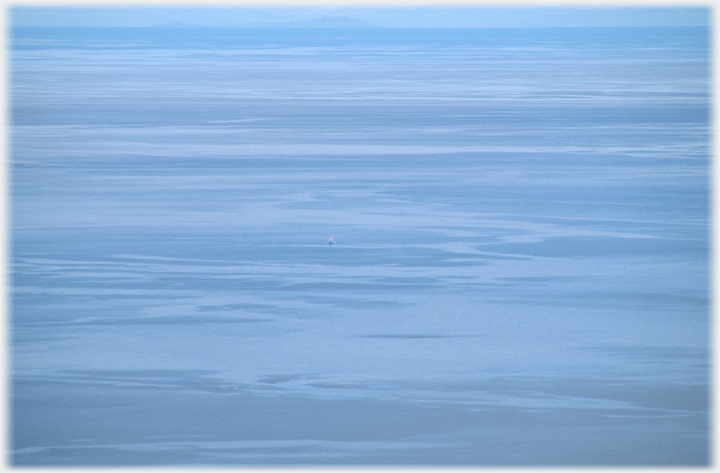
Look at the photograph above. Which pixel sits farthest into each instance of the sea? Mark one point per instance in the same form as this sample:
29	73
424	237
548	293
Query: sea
520	273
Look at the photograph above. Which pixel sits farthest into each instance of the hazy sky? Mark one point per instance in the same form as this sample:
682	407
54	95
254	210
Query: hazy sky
377	16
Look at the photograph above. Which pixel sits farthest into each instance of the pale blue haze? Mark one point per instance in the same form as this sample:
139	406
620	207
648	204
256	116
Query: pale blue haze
520	275
384	17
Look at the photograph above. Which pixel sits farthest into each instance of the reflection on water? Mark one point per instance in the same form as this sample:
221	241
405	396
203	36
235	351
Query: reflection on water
520	273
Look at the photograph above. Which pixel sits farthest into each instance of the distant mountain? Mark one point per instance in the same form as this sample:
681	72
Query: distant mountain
324	22
175	25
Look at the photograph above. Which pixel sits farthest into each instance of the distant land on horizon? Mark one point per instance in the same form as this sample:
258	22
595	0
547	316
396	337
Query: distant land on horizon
323	22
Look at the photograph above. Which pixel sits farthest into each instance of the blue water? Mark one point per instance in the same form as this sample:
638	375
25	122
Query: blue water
520	275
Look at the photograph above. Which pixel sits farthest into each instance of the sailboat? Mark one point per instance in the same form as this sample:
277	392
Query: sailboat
331	241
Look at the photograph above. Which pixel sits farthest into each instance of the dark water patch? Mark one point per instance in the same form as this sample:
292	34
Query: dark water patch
172	320
695	303
120	422
351	386
543	279
408	336
236	307
362	287
22	338
279	379
139	373
568	296
653	354
138	379
348	300
602	246
643	397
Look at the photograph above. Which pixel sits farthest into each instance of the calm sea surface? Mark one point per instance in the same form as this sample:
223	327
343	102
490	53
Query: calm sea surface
521	267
